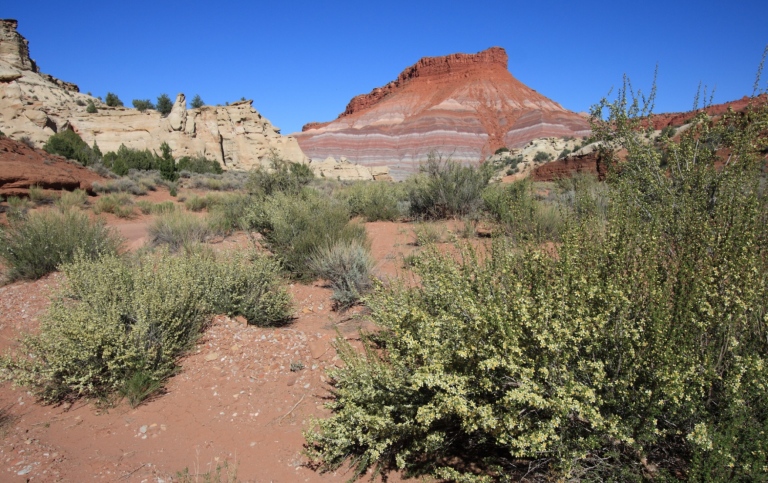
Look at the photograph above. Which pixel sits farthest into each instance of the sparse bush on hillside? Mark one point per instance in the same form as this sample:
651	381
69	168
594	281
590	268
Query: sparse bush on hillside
120	325
91	108
445	188
27	141
36	244
502	150
143	104
348	266
542	157
69	144
295	226
638	352
112	100
164	104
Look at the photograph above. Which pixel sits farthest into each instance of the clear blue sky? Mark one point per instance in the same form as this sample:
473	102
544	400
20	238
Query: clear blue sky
303	61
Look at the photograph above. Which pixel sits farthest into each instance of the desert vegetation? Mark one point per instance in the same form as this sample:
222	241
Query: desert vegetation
636	352
600	330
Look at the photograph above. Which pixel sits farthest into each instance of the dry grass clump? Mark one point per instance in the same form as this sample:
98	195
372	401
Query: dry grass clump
120	185
179	229
72	199
348	267
119	204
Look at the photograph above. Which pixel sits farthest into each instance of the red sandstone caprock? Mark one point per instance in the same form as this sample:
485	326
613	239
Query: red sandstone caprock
461	105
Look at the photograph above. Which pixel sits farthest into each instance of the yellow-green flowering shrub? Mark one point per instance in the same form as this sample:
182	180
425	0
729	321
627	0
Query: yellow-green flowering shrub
117	320
638	352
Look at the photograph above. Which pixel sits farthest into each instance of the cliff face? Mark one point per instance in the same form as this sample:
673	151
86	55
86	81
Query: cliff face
462	105
38	105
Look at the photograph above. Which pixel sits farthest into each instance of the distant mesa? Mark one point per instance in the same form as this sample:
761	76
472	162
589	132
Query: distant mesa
461	105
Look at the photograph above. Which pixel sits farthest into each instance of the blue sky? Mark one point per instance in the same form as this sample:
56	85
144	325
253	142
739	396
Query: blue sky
303	61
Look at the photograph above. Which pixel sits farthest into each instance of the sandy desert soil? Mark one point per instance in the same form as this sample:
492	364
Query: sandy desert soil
235	399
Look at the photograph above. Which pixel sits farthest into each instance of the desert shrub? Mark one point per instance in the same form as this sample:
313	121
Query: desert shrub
667	132
179	229
125	159
427	233
18	207
164	104
542	157
199	164
197	102
295	226
283	176
37	244
91	108
146	180
120	185
228	181
196	203
522	216
348	267
445	188
112	100
565	152
68	143
501	150
40	196
119	204
148	208
230	212
143	104
27	141
375	200
123	323
638	352
72	199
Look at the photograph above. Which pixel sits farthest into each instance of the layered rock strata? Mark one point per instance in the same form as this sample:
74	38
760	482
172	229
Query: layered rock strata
461	105
37	105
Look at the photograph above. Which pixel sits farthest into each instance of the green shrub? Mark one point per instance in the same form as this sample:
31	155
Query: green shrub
197	102
542	157
284	176
521	215
40	196
230	212
375	200
445	188
348	266
68	143
501	150
126	159
18	207
120	325
91	109
72	199
120	185
179	229
638	352
199	164
36	245
164	104
143	104
295	226
667	132
112	100
196	203
119	204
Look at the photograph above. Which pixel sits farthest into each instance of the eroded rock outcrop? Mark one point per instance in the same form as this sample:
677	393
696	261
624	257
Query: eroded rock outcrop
37	105
462	105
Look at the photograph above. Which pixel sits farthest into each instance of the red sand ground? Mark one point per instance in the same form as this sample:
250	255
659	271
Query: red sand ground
235	398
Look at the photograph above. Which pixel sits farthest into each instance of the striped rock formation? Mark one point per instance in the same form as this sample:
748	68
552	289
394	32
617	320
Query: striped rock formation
462	105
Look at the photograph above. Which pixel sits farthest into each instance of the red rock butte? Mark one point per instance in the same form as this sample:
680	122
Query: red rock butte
461	105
